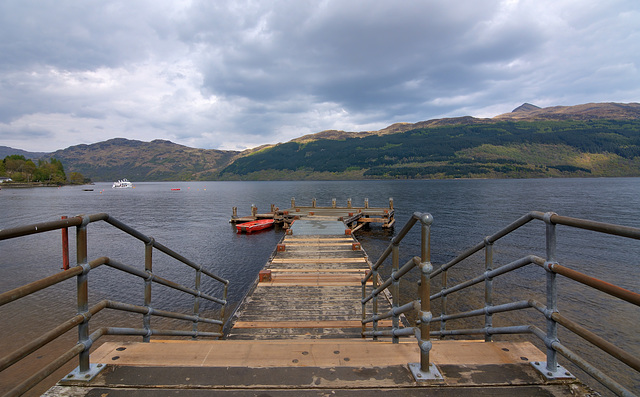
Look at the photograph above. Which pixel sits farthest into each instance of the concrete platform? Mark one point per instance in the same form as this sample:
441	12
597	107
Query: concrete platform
314	368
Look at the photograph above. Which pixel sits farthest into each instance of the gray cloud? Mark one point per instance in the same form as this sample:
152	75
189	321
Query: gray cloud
237	74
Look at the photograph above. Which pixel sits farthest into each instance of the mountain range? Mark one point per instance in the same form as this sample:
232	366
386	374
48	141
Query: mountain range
595	139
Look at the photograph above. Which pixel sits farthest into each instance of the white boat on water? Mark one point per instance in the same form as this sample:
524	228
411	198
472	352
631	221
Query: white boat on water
122	184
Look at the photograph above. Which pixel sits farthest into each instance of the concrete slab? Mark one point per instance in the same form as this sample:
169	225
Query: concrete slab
304	227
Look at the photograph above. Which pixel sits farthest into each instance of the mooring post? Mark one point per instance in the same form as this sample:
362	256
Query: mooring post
333	203
293	202
390	203
254	210
313	203
366	203
349	203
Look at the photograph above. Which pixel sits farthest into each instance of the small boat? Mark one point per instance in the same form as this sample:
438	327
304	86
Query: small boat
122	184
254	226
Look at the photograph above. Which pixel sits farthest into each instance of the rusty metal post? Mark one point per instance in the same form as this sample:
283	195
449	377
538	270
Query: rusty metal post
148	267
488	288
395	287
552	296
65	247
83	294
425	370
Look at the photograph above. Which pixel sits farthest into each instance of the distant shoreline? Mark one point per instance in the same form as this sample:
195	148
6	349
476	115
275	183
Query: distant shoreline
28	185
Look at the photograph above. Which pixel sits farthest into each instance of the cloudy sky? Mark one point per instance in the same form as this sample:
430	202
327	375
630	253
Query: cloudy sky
235	74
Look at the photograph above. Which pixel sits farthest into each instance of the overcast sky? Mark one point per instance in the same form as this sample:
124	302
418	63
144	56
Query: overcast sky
237	74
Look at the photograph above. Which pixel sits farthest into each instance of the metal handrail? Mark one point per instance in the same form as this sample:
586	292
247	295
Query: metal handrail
85	370
551	369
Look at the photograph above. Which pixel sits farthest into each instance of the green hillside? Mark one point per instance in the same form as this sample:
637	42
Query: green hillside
504	149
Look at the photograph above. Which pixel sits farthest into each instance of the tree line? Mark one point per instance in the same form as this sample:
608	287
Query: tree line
23	170
378	154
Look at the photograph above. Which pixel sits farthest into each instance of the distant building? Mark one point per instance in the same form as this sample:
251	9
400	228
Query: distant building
5	179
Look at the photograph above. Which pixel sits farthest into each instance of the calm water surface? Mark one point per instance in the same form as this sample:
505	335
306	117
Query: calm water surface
194	222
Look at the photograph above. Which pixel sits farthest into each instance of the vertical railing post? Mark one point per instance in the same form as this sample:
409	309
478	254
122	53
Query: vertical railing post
425	370
222	310
196	303
65	247
364	307
395	288
551	369
488	288
148	267
374	300
443	303
552	295
83	294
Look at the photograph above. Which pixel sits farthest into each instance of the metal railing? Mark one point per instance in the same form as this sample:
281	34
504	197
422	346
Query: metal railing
85	370
550	369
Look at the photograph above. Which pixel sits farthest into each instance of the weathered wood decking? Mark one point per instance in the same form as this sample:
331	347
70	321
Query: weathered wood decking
311	288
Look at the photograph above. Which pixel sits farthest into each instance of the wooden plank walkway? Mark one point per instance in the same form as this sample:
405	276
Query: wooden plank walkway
297	333
310	289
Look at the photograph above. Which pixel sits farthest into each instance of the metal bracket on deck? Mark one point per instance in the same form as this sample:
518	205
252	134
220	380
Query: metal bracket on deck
559	373
433	375
77	376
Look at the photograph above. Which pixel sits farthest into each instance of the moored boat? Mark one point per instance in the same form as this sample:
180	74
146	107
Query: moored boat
254	226
122	184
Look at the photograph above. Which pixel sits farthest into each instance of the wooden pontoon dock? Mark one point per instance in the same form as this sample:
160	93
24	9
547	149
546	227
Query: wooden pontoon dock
352	216
298	333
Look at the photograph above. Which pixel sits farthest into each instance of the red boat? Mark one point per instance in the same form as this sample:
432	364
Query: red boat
254	226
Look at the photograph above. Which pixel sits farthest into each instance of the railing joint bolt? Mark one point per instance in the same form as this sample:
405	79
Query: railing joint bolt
85	268
547	217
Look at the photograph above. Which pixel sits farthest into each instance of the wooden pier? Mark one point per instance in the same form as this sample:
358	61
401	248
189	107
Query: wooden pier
311	288
298	333
354	217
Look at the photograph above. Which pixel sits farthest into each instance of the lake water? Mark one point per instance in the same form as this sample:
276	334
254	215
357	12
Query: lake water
194	222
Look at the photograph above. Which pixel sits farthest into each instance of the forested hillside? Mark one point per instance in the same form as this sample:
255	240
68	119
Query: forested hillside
501	149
